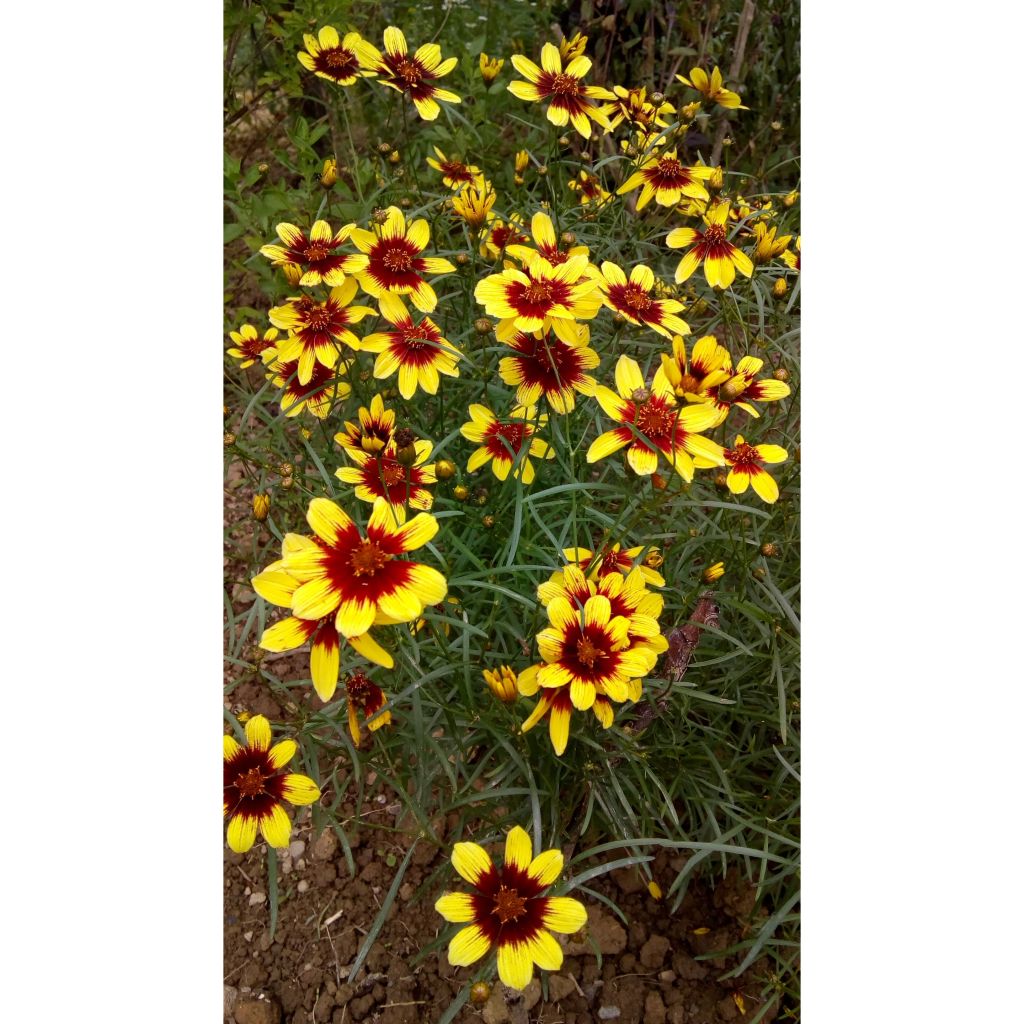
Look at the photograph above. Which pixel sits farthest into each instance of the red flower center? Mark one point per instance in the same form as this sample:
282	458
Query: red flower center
655	418
565	85
669	168
513	433
315	251
590	187
743	455
392	473
411	71
714	235
636	298
508	904
397	259
340	59
537	292
250	783
689	383
367	559
588	652
456	170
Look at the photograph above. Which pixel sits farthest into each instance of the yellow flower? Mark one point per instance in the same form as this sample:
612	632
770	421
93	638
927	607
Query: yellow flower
569	99
545	365
589	188
329	175
489	67
338	60
507	443
570	49
522	161
509	911
412	74
473	203
454	173
373	432
368	698
250	347
633	106
500	236
767	246
546	242
315	256
712	89
792	259
720	257
632	299
502	683
255	787
666	180
317	394
746	468
713	572
260	507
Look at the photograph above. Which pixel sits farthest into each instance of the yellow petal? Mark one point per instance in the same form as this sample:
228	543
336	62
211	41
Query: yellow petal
468	946
518	848
257	733
300	789
515	965
564	914
546	867
471	861
241	833
544	951
456	907
281	753
276	826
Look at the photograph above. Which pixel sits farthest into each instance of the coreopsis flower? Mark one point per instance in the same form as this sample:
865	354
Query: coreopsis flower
334	58
711	88
250	348
361	579
556	706
499	235
522	161
502	683
612	559
414	74
666	180
256	785
383	475
633	106
508	910
323	388
454	173
373	432
543	364
720	257
632	298
792	259
395	264
589	188
367	698
490	67
746	464
571	48
473	203
767	246
417	351
546	242
569	99
526	301
651	422
329	175
316	256
692	378
506	443
317	328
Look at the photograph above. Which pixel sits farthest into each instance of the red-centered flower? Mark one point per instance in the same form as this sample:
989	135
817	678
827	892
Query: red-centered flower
720	257
508	910
651	422
360	579
746	464
365	698
383	476
542	295
570	99
589	188
412	74
373	432
632	298
395	261
691	378
250	348
631	105
666	180
546	242
546	365
418	351
333	58
315	256
324	387
317	328
256	785
454	173
506	443
499	236
612	559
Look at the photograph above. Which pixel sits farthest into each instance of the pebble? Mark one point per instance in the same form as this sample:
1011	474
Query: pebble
326	845
560	988
301	863
230	999
247	936
303	886
496	1009
258	1011
257	898
286	867
653	952
296	848
531	994
654	1009
667	976
609	1013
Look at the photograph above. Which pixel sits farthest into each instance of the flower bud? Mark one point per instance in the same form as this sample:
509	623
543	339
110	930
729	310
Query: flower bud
461	491
776	126
658	482
488	521
288	483
690	110
379	216
292	273
286	469
260	507
383	147
394	157
444	469
405	202
502	683
542	170
770	550
329	175
462	258
657	98
780	288
654	559
480	993
563	140
641	395
568	238
781	374
263	168
483	326
229	440
759	573
727	141
721	480
790	200
713	572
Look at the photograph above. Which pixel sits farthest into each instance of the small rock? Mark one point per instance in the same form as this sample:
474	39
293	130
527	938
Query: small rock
667	976
258	1011
628	880
531	994
406	892
608	1013
606	932
247	936
676	1015
301	864
326	845
687	968
654	951
296	848
727	1008
496	1009
303	886
324	1007
286	867
560	988
257	898
265	941
654	1009
230	999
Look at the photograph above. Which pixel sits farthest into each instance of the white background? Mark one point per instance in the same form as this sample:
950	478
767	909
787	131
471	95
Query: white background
911	462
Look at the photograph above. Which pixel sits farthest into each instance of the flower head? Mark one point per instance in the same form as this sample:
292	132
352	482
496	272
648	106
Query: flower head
315	256
374	431
632	298
366	698
502	683
324	386
255	786
499	236
395	261
360	578
569	99
720	257
546	242
713	572
454	173
792	259
416	350
383	475
506	443
767	246
473	203
632	106
543	364
711	88
666	180
490	67
612	559
508	910
328	56
413	74
589	188
650	422
250	347
746	464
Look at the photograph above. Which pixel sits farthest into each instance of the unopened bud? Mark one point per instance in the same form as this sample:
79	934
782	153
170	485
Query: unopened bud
654	559
657	98
563	140
286	469
461	491
329	175
781	374
780	288
759	573
383	147
444	469
462	259
519	180
727	141
770	550
288	482
488	521
379	216
394	157
721	480
717	180
713	572
480	993
641	395
482	326
292	273
229	440
658	482
260	506
776	126
542	170
789	200
568	238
